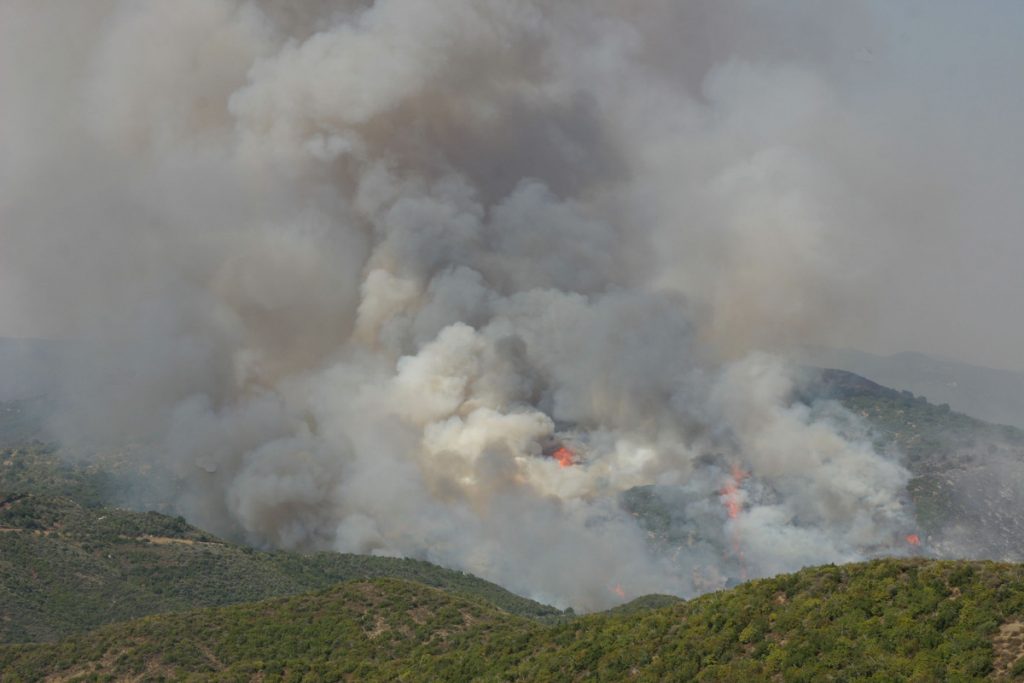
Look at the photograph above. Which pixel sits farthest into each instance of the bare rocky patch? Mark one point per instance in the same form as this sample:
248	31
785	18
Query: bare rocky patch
1008	645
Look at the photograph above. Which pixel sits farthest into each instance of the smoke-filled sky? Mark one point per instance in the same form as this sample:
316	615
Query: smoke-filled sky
362	267
845	174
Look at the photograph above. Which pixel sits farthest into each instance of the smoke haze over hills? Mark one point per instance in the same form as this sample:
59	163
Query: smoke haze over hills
987	393
361	268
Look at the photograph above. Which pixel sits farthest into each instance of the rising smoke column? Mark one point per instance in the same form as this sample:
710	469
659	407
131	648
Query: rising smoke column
373	270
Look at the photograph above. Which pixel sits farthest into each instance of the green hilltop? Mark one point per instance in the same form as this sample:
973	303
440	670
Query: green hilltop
887	620
65	568
68	563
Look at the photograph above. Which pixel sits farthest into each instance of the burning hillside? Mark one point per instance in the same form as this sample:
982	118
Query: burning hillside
564	457
448	280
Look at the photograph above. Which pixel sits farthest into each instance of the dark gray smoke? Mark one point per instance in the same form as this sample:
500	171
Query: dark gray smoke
368	266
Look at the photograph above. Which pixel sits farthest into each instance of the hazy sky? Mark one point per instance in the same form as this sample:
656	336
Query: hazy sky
954	283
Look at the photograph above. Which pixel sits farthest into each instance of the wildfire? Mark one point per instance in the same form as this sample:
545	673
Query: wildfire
913	539
731	495
564	456
732	498
617	589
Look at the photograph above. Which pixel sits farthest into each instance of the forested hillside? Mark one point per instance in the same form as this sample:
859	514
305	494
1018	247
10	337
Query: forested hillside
912	620
65	569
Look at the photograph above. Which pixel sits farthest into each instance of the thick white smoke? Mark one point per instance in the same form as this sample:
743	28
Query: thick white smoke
366	266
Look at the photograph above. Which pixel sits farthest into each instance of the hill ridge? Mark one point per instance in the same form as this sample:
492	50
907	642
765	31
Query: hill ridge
908	619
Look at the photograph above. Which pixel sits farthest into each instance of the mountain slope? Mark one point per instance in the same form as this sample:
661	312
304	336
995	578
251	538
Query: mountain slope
354	631
68	564
968	485
884	620
988	393
66	568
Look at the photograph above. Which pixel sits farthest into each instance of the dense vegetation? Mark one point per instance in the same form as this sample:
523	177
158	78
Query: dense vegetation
68	564
65	568
38	469
913	620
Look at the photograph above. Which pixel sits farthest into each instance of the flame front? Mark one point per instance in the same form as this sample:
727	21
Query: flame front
731	494
564	456
732	498
913	539
619	591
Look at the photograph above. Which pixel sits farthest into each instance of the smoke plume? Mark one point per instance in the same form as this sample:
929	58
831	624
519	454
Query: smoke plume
362	268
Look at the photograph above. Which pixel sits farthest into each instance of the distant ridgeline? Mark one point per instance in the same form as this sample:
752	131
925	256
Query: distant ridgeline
968	485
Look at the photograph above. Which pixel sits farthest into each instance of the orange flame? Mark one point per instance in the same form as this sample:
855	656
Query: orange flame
617	589
733	500
731	492
564	456
913	539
